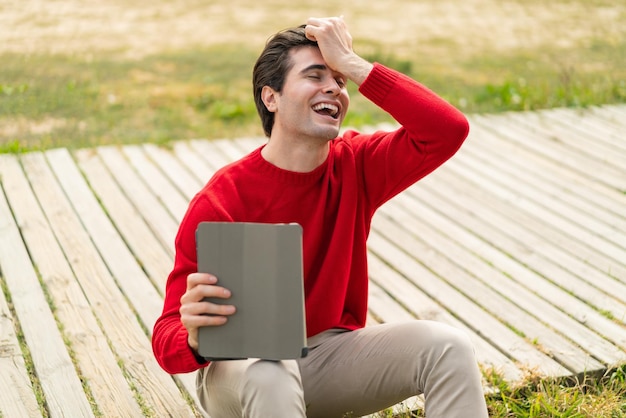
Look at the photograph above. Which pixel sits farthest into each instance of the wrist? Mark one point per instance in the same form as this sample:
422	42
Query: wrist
357	69
194	351
192	343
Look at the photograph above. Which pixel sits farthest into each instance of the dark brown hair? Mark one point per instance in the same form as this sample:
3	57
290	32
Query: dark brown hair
272	67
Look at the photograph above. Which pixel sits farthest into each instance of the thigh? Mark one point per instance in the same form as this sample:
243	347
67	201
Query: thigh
367	370
222	381
252	387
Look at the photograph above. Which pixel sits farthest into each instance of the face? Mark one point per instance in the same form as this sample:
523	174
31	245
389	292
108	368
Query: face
314	99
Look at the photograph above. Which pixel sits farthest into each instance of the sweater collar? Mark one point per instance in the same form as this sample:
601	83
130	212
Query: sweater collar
285	176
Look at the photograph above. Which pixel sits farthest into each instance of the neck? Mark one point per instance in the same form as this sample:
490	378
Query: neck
300	157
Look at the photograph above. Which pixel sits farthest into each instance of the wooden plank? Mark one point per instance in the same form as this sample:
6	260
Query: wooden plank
158	392
154	179
543	170
522	167
17	398
211	153
547	231
128	275
371	319
512	303
599	243
614	119
391	290
94	358
199	168
384	304
501	308
542	145
612	122
250	143
156	215
155	259
384	307
617	112
403	293
594	233
498	334
141	292
510	273
176	171
56	373
476	211
513	167
572	137
593	127
229	149
602	204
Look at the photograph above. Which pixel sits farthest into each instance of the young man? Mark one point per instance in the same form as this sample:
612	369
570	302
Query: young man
331	186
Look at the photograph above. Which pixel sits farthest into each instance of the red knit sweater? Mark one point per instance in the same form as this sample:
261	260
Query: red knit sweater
334	204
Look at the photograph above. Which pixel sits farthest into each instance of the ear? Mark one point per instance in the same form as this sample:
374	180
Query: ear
269	97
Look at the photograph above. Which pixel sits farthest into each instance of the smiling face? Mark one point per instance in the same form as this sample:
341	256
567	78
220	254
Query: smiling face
313	101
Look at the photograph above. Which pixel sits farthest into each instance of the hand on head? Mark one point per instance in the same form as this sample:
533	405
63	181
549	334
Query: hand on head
335	44
332	37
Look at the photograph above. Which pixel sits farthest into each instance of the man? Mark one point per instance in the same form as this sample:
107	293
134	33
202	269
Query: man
331	186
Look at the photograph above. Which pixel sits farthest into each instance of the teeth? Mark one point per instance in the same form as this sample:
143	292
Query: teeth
327	106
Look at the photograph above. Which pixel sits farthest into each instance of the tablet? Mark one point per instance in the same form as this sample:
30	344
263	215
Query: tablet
261	264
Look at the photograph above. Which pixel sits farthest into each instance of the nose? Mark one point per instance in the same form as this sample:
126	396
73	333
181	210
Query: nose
332	87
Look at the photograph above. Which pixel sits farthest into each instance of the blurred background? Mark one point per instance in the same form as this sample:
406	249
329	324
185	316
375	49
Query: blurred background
80	73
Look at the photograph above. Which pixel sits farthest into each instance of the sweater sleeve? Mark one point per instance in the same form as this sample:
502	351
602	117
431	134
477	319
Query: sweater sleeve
431	131
169	337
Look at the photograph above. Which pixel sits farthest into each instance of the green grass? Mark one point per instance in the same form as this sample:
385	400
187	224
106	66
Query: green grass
586	397
79	101
70	101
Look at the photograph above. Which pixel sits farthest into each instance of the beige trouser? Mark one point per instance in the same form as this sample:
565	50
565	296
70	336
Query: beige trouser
353	373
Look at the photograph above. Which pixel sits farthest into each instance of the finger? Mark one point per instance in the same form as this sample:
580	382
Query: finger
310	31
320	21
191	322
316	25
200	314
206	307
196	321
201	292
326	30
195	279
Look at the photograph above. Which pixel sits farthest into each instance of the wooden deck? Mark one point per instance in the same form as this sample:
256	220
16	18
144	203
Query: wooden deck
520	240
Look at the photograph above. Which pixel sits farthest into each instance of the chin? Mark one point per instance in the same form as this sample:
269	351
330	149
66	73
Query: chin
331	136
329	133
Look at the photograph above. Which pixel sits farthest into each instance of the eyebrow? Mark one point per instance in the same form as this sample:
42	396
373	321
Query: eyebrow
314	67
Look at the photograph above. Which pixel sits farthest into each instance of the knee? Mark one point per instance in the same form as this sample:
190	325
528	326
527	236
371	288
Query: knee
272	388
457	339
267	375
447	343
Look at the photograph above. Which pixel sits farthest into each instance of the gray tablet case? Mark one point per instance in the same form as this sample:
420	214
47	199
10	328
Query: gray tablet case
261	264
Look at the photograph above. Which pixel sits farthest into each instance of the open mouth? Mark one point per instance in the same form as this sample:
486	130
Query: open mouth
327	109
